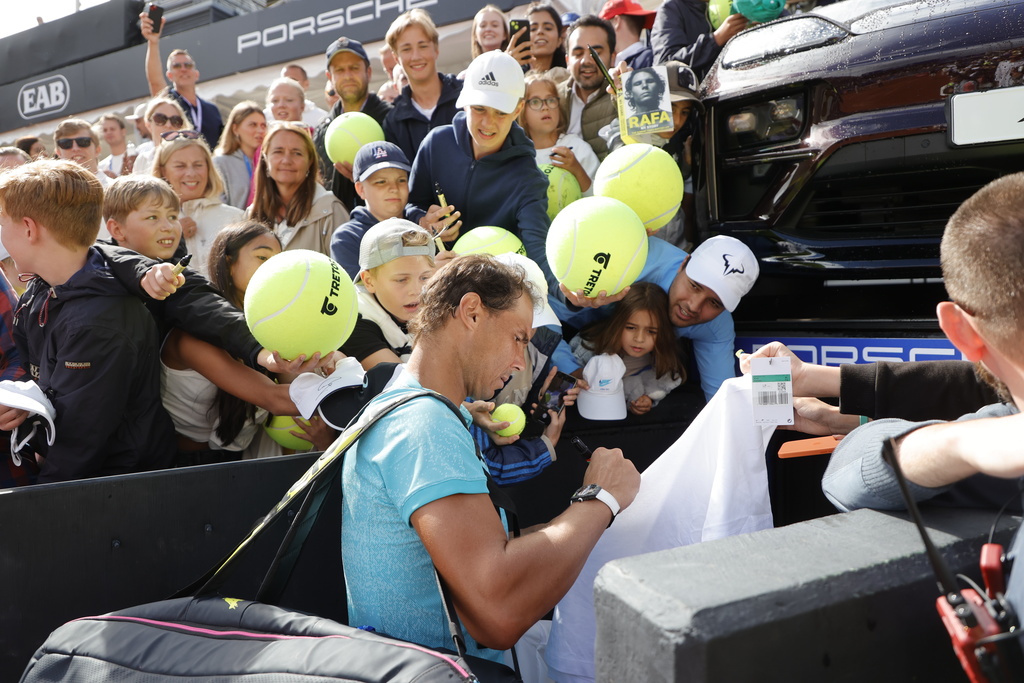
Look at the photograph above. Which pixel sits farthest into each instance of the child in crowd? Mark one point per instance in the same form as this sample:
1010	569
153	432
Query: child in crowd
381	175
396	258
211	397
185	162
90	345
542	120
142	214
641	333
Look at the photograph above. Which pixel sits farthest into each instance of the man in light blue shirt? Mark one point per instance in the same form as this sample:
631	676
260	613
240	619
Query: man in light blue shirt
703	289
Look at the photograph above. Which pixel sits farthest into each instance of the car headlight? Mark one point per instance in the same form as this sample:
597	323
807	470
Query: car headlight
764	123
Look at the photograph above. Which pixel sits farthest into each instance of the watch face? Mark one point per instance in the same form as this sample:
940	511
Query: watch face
588	491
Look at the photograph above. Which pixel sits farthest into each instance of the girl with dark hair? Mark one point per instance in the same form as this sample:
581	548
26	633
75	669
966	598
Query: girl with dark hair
287	193
217	403
640	332
547	36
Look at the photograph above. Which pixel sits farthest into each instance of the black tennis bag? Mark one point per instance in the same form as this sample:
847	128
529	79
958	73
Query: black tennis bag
203	637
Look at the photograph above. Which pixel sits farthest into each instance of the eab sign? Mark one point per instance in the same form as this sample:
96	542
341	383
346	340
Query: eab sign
43	97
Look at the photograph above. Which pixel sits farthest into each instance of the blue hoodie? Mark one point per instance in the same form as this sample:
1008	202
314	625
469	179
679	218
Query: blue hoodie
346	239
505	189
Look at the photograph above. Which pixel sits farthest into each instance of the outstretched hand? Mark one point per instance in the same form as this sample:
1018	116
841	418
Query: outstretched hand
581	300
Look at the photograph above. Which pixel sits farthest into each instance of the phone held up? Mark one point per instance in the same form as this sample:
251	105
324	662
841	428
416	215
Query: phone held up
515	25
552	399
155	12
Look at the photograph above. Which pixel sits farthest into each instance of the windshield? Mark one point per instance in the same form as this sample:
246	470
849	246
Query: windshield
779	38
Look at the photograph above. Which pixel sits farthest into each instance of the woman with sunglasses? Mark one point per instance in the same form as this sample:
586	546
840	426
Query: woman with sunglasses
542	120
163	115
235	156
287	192
185	162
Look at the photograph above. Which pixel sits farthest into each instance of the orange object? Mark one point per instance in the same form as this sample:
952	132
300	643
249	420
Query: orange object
816	446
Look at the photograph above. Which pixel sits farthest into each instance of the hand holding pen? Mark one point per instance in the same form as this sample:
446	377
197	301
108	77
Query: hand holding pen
163	279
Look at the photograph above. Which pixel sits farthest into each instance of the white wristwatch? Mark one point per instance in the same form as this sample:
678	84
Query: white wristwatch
595	492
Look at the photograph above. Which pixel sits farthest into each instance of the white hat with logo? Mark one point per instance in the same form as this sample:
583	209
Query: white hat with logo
725	265
605	399
494	79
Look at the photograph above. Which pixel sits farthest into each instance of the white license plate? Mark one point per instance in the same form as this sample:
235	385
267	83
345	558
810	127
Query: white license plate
990	116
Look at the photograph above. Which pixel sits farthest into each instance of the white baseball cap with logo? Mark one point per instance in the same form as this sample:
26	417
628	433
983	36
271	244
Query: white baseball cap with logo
494	79
725	265
605	399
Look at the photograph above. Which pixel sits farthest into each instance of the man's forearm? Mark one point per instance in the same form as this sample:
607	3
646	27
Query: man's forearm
942	454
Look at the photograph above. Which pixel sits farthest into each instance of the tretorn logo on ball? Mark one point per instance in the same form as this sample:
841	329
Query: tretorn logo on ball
328	307
602	259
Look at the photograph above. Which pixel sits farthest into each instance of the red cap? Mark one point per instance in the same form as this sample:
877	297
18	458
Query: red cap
614	8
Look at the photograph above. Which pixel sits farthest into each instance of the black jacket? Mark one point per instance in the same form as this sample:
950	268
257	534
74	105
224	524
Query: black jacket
406	126
343	188
682	31
93	348
196	308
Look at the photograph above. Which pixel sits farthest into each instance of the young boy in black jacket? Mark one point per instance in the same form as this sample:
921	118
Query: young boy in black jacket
90	344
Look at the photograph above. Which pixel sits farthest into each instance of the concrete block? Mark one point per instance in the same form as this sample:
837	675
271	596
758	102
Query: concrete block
849	597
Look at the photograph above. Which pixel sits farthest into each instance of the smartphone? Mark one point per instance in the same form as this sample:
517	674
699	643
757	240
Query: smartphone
515	25
155	12
552	399
602	67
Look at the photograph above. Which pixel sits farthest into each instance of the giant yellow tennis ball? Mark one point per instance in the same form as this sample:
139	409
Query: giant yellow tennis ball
511	413
488	239
279	429
646	178
595	244
563	188
300	302
348	132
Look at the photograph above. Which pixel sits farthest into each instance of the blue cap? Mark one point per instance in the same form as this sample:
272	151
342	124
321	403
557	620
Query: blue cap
373	156
346	45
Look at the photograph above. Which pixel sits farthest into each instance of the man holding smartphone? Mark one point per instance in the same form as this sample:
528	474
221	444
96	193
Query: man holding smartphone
183	75
586	104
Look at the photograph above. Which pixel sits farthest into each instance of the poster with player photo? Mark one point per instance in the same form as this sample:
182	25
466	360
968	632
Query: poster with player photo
646	103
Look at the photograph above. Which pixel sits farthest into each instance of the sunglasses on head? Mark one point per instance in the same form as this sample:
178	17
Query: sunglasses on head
68	143
163	119
175	134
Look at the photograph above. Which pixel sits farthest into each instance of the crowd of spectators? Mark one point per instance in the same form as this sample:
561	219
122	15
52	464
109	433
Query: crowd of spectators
148	364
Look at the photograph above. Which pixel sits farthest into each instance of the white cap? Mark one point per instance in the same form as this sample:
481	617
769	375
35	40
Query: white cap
494	79
605	399
384	243
542	313
725	265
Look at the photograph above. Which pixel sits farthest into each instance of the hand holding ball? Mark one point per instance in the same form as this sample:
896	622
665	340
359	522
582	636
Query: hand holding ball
514	415
299	303
347	133
596	244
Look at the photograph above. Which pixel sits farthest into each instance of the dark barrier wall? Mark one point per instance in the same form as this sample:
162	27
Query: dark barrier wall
849	597
69	40
289	30
84	548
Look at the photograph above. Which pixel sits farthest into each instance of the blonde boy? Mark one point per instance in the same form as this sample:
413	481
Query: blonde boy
396	258
141	214
89	345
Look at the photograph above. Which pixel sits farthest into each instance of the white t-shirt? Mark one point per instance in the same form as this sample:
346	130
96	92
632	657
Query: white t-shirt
584	154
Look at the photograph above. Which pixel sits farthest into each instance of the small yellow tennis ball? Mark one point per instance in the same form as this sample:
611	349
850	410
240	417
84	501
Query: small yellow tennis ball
279	429
300	302
348	132
511	413
596	244
563	188
488	239
647	179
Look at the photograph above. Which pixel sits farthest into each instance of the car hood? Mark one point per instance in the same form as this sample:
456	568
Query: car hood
858	39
